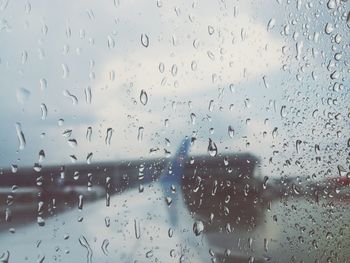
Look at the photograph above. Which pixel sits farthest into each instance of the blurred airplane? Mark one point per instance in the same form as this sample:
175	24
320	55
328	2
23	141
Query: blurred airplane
185	209
168	218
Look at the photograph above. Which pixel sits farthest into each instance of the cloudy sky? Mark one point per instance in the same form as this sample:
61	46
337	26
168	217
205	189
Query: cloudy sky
261	65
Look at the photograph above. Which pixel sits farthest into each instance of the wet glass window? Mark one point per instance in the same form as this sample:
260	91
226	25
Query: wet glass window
174	131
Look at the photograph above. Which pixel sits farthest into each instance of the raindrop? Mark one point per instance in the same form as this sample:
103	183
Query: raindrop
67	133
265	82
89	158
144	40
80	202
198	227
14	168
104	246
107	221
140	134
299	47
4	258
149	254
266	178
211	105
88	134
334	75
331	4
137	229
20	136
328	28
72	143
40	221
283	111
341	171
73	158
74	99
266	243
37	167
193	118
168	200
297	145
212	148
143	97
65	70
210	30
110	42
274	132
22	95
43	111
170	232
60	122
43	84
161	67
231	131
24	57
271	24
108	136
84	243
41	156
88	95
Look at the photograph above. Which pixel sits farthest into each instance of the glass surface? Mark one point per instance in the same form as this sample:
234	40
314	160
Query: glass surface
174	131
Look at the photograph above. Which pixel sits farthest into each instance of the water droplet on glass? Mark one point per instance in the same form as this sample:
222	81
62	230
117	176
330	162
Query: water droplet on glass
297	145
43	111
168	200
43	84
88	134
80	202
198	227
22	95
170	232
110	42
60	122
210	30
65	70
4	258
109	136
74	98
89	158
104	246
283	111
67	133
84	243
144	40
149	254
20	136
88	95
231	131
211	105
212	148
271	24
140	134
299	47
341	170
274	132
328	28
265	82
41	156
137	229
331	4
143	97
266	178
193	118
14	168
73	143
